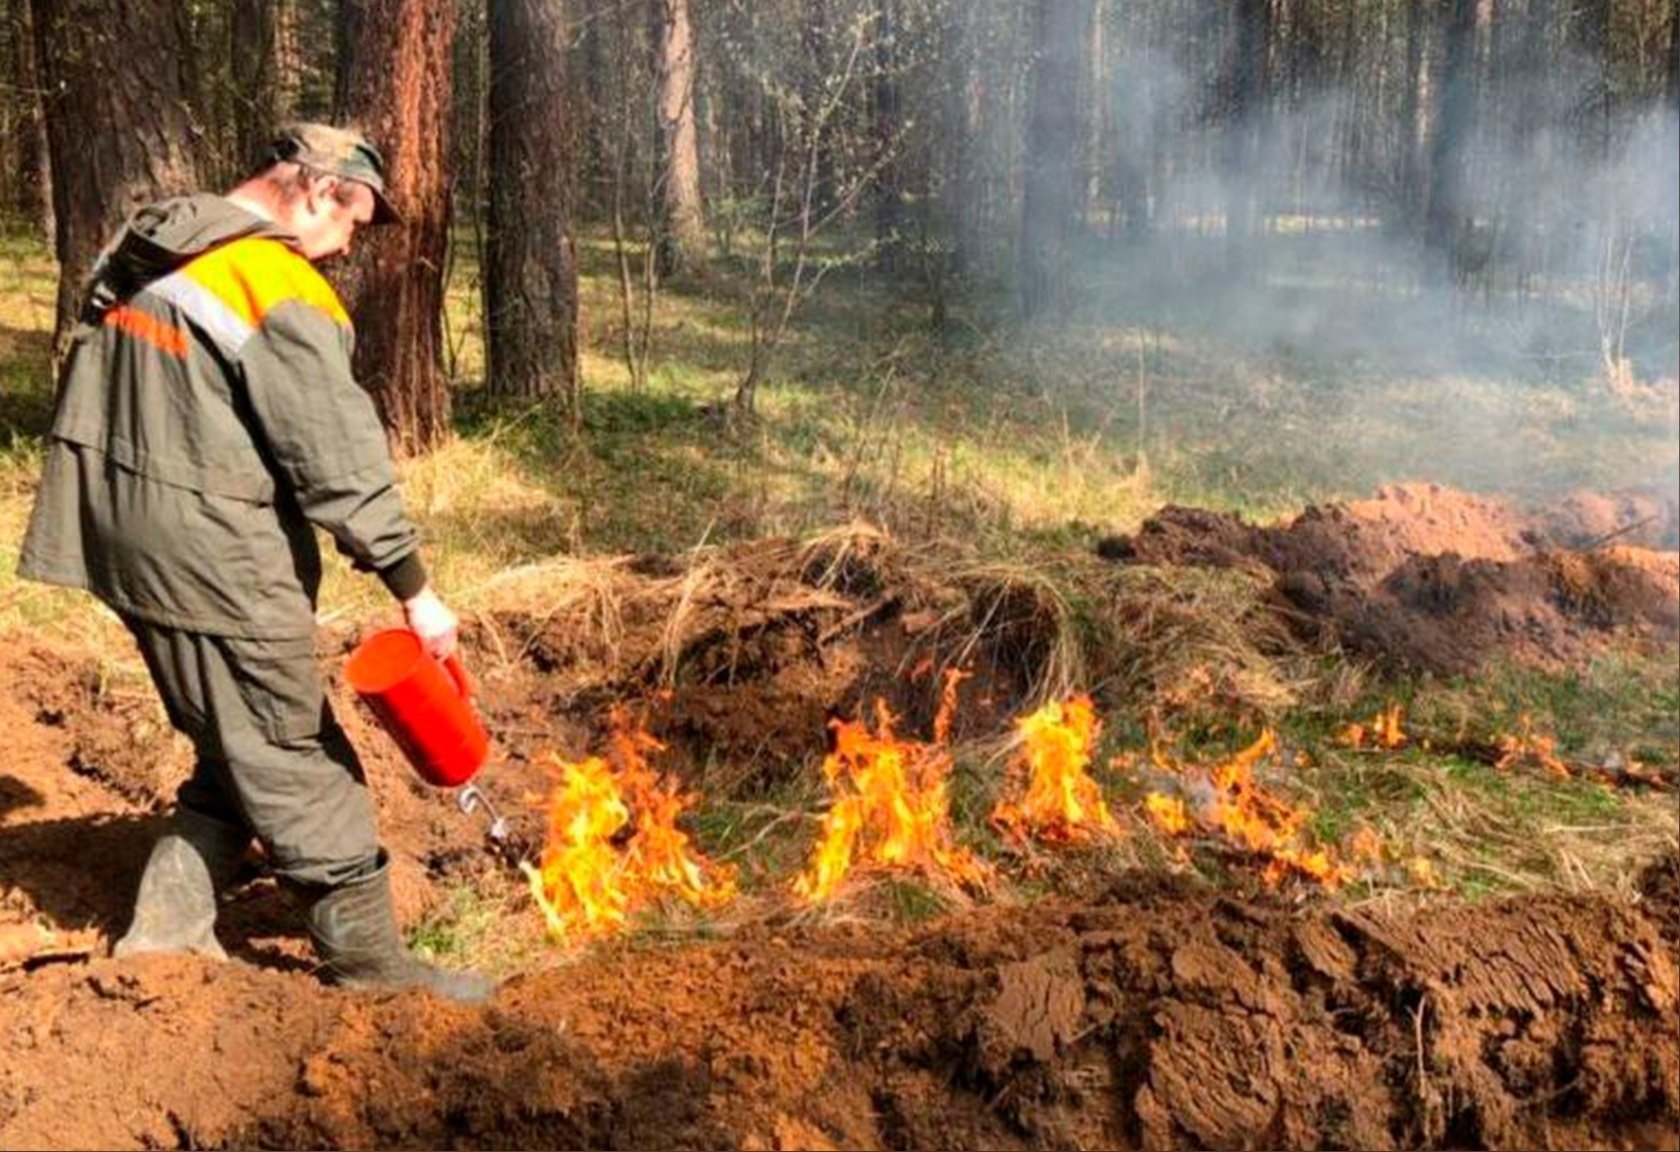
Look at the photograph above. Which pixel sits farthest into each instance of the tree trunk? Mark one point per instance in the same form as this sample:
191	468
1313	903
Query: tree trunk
530	273
394	80
1674	62
957	138
889	179
591	90
682	230
266	63
1135	114
1453	127
1590	23
1091	191
30	179
1245	117
1414	118
117	125
1052	159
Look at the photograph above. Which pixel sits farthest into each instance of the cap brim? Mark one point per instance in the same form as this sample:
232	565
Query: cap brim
384	212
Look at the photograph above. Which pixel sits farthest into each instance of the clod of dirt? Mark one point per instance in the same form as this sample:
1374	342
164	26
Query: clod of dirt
1162	1019
748	652
1433	579
1640	517
1659	887
1154	1015
118	733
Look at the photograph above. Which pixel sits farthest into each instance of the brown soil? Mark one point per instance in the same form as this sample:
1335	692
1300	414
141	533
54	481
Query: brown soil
1440	580
1151	1020
746	655
1151	1016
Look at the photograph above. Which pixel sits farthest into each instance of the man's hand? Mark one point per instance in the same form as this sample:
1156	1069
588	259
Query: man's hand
430	619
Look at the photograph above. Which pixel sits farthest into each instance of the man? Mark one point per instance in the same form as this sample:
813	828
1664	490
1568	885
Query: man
207	421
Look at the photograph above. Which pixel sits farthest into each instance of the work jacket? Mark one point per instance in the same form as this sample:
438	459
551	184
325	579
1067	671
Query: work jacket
206	418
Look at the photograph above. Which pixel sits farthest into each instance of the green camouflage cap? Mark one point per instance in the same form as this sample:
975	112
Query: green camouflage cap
341	152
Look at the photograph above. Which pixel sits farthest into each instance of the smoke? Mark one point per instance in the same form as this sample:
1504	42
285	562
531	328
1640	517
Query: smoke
1530	346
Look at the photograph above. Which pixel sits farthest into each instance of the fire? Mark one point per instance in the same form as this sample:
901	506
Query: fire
591	877
890	804
1529	745
1366	846
1384	731
1167	813
579	886
1246	814
1423	874
1060	803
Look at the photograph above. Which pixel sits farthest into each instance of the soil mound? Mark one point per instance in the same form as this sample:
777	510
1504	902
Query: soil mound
114	729
1154	1019
748	652
1157	1015
1434	579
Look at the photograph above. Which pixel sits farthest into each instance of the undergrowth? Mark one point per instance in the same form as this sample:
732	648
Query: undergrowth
1024	446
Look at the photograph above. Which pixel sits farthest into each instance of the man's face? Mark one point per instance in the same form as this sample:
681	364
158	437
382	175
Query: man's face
328	215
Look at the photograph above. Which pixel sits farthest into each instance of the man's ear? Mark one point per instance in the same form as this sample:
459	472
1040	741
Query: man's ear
319	192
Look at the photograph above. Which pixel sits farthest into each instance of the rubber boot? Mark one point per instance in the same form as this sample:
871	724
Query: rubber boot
355	932
175	910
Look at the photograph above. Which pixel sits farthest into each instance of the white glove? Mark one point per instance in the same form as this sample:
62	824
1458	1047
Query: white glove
430	619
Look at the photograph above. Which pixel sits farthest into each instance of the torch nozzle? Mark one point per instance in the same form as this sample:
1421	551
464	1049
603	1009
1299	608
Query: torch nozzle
470	800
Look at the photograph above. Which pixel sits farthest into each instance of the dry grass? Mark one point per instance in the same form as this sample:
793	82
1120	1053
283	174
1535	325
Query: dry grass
1192	646
1486	832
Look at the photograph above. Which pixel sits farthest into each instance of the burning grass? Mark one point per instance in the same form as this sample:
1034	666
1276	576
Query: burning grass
1228	799
1054	798
613	844
1377	811
890	807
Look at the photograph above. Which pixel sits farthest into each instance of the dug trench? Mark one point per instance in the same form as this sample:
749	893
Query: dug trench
1157	1017
1139	1012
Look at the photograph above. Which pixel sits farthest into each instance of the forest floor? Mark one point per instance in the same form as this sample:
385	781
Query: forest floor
1463	646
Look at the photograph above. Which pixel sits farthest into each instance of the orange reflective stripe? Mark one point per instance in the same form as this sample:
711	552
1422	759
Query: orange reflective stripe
145	326
255	275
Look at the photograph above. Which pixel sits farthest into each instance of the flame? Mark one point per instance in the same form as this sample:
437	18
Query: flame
1423	874
1528	745
890	804
659	851
579	886
1060	803
591	877
1167	813
1251	817
1384	731
1366	846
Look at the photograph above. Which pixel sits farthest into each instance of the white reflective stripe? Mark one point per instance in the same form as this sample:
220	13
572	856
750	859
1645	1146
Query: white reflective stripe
221	323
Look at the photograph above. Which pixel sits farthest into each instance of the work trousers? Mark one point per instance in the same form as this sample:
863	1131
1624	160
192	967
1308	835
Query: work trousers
270	754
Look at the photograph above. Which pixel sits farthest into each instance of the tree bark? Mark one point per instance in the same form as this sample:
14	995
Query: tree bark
1673	85
1244	125
30	180
394	78
682	229
889	179
117	126
1453	127
530	282
267	66
1414	119
1052	159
